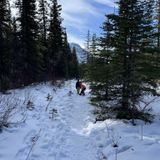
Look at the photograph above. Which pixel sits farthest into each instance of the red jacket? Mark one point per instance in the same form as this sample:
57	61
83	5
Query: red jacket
82	86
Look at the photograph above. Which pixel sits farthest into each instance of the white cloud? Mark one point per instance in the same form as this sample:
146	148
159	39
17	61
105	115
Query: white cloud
76	13
110	3
73	21
78	7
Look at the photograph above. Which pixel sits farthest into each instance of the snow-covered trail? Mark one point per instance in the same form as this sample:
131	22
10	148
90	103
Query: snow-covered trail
65	137
72	133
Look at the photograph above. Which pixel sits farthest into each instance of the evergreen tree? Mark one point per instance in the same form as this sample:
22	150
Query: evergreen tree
131	42
88	41
15	54
158	43
156	38
55	54
5	45
31	58
126	45
73	64
43	20
66	55
93	47
100	69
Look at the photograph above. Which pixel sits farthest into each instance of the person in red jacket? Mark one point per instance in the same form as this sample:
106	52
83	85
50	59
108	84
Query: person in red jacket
83	88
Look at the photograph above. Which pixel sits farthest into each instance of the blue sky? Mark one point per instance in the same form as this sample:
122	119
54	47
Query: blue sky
83	15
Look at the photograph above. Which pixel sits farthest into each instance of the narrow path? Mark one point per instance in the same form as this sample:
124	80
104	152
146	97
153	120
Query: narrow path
67	137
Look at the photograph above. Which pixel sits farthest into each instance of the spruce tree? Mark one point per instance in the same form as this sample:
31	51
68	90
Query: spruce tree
156	38
158	42
100	70
55	42
132	40
5	45
93	47
16	58
125	46
88	41
31	58
66	55
73	64
43	20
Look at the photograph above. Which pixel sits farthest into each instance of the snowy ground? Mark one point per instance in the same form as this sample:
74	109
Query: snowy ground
72	134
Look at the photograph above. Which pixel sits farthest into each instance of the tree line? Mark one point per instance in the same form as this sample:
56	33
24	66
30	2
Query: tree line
124	63
33	44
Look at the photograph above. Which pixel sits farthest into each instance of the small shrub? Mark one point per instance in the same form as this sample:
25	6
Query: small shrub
53	113
4	84
30	105
7	110
49	97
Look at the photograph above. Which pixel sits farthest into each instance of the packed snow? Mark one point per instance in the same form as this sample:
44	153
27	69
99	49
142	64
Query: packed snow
60	125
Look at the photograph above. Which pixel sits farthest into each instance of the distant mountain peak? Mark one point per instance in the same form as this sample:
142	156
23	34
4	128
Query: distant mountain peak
81	53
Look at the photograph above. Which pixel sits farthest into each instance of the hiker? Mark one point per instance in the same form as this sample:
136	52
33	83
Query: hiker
78	86
83	88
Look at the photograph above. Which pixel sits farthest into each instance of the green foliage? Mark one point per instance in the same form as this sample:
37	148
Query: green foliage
31	59
123	70
5	44
32	48
4	84
55	41
73	65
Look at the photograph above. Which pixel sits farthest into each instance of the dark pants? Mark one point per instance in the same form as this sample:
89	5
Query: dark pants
82	92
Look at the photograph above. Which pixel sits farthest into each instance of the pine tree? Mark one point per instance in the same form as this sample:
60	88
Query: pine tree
66	55
73	64
100	69
125	50
158	43
31	58
156	38
132	41
43	21
16	58
93	47
88	41
5	45
55	42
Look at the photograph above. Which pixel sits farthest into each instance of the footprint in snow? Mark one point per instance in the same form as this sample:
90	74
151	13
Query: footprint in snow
34	157
124	149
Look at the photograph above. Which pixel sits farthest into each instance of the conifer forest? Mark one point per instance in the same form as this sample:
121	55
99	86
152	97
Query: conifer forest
70	90
33	45
123	64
